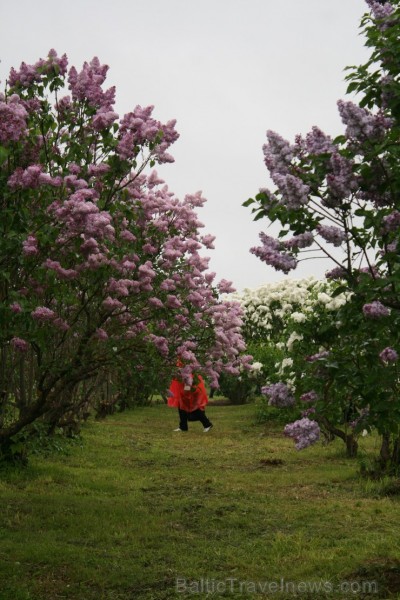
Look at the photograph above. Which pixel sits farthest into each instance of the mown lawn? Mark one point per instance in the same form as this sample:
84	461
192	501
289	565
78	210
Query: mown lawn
138	511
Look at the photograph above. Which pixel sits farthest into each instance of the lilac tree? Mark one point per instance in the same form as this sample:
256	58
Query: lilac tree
342	195
101	266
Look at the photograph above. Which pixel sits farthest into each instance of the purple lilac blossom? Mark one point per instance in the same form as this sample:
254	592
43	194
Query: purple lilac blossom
12	119
388	94
279	395
317	142
310	396
15	307
388	355
303	240
270	253
161	343
86	85
304	432
392	247
225	287
19	344
391	222
308	411
294	191
331	234
61	324
341	180
138	128
381	11
318	356
62	273
372	271
269	200
362	124
30	73
336	273
278	153
103	119
101	334
42	313
26	178
375	310
111	303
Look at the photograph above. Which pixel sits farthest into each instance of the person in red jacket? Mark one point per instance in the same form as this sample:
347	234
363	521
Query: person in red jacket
190	401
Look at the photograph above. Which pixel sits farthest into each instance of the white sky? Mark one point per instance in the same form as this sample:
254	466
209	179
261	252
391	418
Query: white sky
227	70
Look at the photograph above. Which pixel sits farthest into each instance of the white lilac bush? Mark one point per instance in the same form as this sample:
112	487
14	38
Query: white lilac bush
295	327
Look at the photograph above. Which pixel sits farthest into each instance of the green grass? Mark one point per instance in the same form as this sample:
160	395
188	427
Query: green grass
138	506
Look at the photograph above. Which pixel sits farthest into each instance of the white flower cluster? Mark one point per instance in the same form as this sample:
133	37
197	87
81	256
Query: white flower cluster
276	308
290	298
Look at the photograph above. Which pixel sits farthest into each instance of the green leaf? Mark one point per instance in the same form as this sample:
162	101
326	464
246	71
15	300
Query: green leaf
3	154
341	289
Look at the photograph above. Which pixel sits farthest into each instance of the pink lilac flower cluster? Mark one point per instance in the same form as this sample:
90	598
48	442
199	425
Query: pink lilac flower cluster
225	352
151	252
331	234
60	271
32	177
388	355
111	304
279	395
80	215
309	397
101	334
42	313
138	128
160	342
87	85
304	432
30	246
270	253
225	286
12	119
375	310
28	74
362	124
19	344
15	307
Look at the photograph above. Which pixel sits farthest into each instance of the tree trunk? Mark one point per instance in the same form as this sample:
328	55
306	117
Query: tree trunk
348	438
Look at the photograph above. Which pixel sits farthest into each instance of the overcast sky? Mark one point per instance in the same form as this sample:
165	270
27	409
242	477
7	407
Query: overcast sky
227	70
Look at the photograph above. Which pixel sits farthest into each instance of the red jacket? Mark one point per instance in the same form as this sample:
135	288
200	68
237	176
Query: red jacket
189	400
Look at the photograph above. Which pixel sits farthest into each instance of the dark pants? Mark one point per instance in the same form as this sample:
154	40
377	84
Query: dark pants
195	415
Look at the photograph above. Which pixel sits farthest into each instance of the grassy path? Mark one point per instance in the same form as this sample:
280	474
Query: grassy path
141	512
